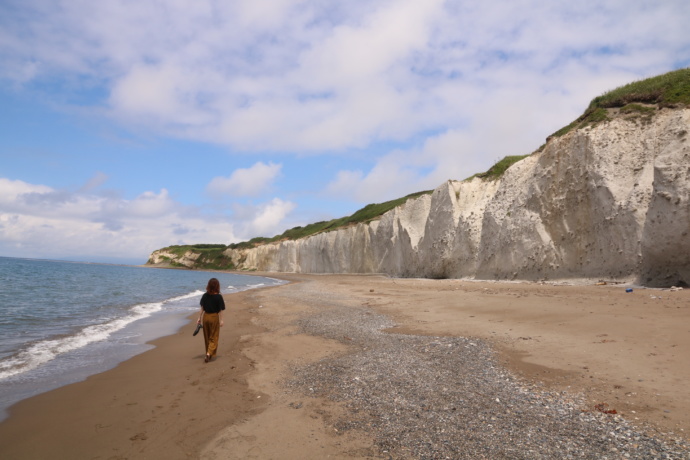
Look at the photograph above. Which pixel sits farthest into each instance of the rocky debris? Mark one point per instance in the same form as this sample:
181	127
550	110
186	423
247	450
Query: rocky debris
447	397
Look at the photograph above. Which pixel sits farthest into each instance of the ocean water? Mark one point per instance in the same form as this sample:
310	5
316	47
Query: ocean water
63	321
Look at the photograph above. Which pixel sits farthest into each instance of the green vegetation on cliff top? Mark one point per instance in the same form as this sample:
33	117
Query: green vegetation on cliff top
671	89
668	90
211	254
366	214
499	168
641	97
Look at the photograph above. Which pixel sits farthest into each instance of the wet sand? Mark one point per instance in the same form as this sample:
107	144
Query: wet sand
627	350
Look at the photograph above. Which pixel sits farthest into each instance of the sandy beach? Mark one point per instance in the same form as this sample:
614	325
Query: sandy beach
609	352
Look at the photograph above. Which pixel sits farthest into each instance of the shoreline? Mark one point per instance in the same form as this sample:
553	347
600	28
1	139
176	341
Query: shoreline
622	349
136	406
76	345
146	329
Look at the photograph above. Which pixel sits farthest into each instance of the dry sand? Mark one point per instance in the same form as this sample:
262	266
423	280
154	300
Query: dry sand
628	350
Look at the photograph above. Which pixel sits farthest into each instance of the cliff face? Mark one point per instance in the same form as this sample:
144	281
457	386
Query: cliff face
611	201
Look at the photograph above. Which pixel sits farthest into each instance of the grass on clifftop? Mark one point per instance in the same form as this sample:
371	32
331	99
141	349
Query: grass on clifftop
212	254
668	90
499	168
366	214
671	89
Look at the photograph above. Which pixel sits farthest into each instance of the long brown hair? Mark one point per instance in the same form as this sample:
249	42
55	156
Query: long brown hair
213	286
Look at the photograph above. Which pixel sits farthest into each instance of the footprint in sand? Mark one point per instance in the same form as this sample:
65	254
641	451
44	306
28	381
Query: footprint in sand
139	437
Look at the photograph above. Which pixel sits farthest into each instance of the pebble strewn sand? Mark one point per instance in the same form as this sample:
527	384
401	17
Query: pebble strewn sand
446	397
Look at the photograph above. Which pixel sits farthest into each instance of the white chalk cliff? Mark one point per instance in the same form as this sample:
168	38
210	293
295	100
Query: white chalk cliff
610	201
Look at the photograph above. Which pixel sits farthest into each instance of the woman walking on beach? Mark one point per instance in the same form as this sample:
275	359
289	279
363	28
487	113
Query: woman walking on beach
212	306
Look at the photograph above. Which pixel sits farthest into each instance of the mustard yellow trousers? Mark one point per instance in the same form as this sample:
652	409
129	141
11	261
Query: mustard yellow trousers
211	326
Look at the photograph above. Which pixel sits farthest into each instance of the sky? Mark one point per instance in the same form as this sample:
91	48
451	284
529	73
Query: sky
131	125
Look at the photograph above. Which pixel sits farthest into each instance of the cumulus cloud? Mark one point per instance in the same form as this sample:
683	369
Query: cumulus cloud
39	221
245	181
390	178
340	76
265	219
11	190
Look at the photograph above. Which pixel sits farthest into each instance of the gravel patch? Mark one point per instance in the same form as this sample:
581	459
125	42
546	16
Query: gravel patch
447	397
